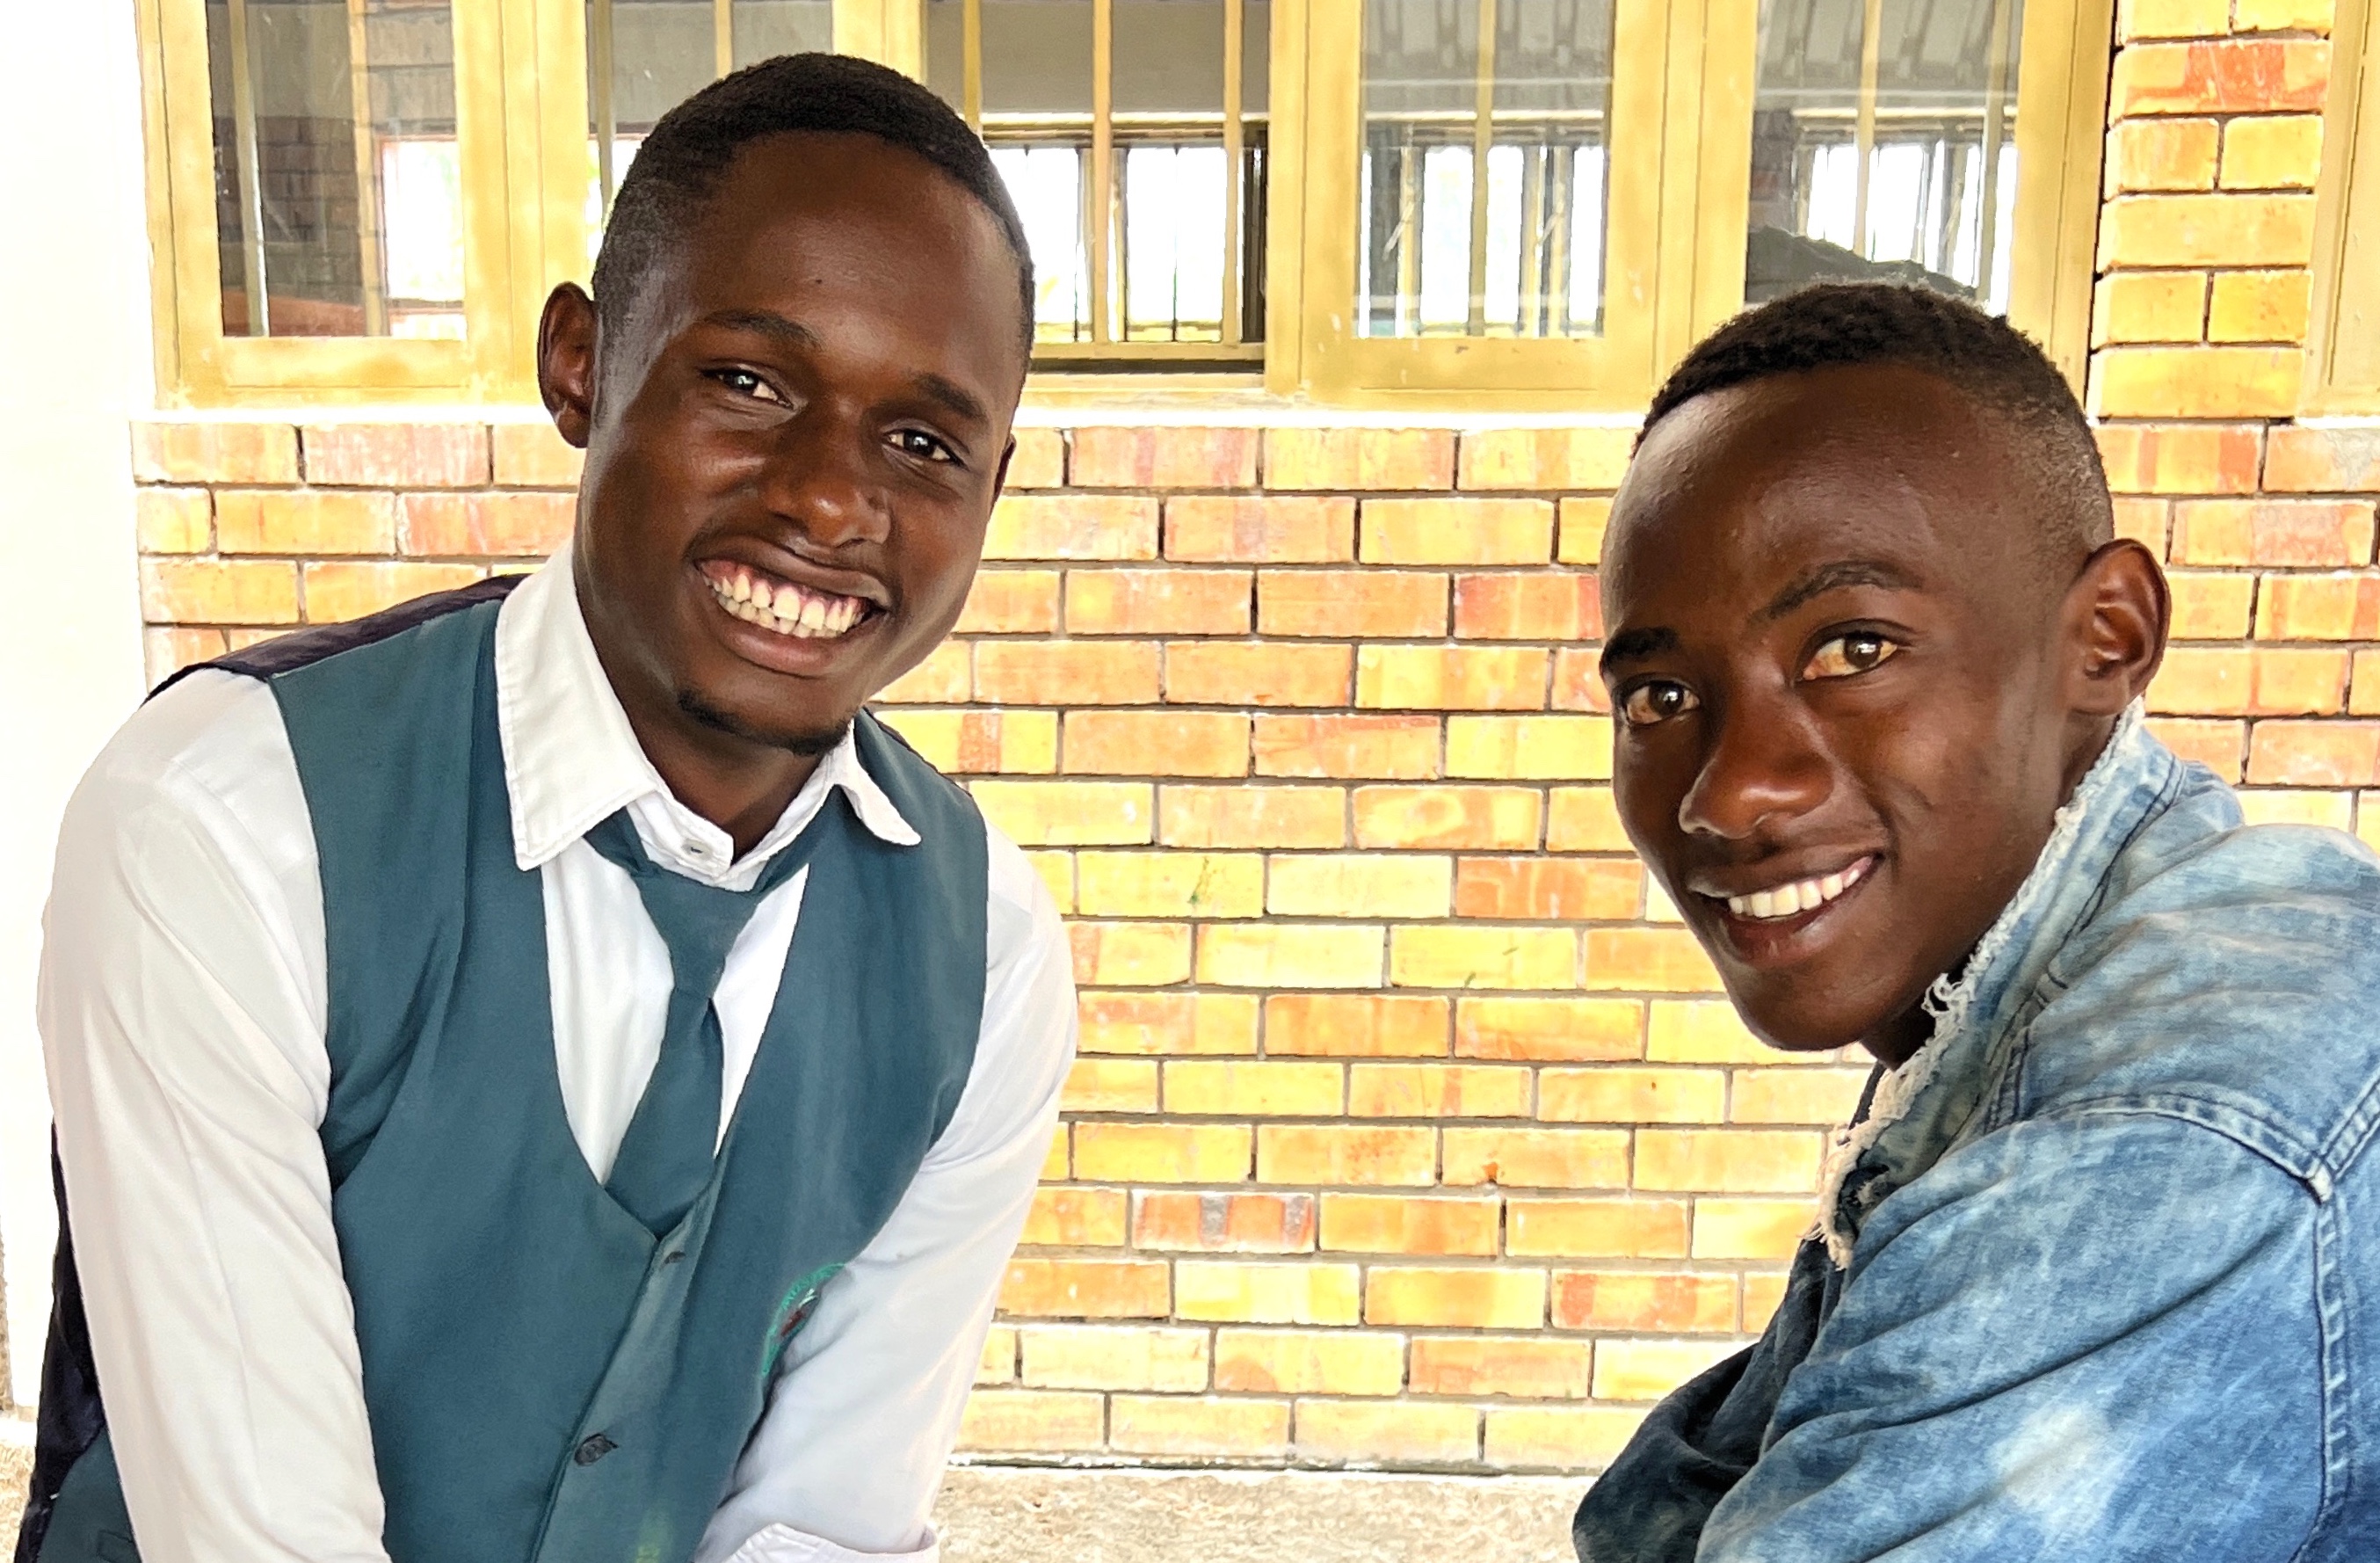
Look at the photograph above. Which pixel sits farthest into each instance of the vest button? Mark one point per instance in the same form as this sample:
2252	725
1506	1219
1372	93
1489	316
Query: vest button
591	1450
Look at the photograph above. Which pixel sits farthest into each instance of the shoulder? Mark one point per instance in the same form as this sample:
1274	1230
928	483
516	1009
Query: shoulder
212	744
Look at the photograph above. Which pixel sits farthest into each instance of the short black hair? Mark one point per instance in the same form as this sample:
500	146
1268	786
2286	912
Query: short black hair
689	150
1995	366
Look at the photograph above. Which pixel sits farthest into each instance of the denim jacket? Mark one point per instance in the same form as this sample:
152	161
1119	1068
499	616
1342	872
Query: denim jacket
2097	1272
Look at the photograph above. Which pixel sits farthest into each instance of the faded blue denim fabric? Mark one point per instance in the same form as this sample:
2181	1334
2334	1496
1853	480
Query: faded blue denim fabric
2113	1237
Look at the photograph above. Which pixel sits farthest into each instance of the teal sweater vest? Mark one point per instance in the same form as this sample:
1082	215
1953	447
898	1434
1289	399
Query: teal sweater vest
546	1381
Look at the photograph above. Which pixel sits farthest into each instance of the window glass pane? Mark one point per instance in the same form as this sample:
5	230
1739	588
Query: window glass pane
1527	84
1895	160
338	200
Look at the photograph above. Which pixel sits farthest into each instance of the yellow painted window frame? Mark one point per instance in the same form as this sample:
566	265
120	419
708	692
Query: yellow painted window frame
2343	343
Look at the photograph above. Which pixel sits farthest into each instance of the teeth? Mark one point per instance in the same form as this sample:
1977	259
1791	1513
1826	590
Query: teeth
784	607
1803	895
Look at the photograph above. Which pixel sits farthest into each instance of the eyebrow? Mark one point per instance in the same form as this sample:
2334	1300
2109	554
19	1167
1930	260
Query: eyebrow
776	327
1636	645
953	398
1834	578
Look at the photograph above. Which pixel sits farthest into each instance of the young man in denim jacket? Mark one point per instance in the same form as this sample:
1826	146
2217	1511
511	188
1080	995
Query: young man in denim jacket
2096	1274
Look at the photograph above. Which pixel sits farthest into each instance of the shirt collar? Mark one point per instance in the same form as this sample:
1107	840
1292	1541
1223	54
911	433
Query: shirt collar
571	760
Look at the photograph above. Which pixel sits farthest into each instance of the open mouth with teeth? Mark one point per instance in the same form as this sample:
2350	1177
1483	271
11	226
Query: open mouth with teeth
800	613
1802	896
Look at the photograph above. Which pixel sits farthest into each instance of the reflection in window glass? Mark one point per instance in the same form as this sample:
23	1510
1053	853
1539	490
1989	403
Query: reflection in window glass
1525	85
1892	157
338	205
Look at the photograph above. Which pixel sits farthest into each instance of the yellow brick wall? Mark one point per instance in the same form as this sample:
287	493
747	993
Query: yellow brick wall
1409	1128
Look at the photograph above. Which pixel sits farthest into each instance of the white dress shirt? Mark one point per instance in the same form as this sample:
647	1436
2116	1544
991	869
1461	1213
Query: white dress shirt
182	1003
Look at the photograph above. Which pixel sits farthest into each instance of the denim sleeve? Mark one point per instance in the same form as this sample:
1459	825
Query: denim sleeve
2093	1336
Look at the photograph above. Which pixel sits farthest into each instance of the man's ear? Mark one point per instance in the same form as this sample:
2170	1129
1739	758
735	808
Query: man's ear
566	361
2118	613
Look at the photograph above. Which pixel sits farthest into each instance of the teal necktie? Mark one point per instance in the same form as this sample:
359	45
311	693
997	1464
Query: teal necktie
665	1158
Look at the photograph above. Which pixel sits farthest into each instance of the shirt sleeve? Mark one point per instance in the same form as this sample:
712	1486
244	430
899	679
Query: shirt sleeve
181	1014
2089	1338
865	1408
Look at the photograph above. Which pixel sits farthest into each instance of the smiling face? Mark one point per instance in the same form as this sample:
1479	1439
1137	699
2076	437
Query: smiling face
793	445
1851	682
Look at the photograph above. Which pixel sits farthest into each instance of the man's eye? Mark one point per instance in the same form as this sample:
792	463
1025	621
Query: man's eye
1847	654
745	382
1649	704
923	445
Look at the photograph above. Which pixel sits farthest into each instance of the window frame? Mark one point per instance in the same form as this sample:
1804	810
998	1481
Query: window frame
2342	369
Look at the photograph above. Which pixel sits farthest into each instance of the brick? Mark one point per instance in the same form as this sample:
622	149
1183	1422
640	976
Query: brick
2261	682
1581	522
1355	1025
1071	526
2149	306
1058	1164
173	520
2281	16
2216	745
2162	154
1606	1228
1704	1033
214	453
534	455
1056	870
1171	1023
1536	1158
1257	673
1501	1298
2206	230
1291	955
1548	889
1578	681
1455	532
1033	1421
1589	457
2172	19
1648	959
1561	1030
1386	748
1642	1301
1225	1223
1646	1370
1272	530
1400	1432
1161	1152
1107	1357
1437	1091
2259	307
1169	458
1538	605
1011	602
1583	818
1169	884
2146	521
1170	743
1345	1155
1158	601
1275	1294
2229	75
1110	1085
2303	460
487	525
1358	459
303	522
1076	1218
1826	1097
1067	672
1148	1424
1725	1161
2202	382
1450	678
1038	459
337	592
396	454
2314	754
2331	811
1368	603
1252	816
1563	1438
2289	532
2276	152
1728	1228
1496	958
1529	748
2214	607
1244	1088
166	652
1086	1288
946	676
1302	1361
2180	459
1761	1296
1521	1367
1446	817
1067	813
998	1364
981	742
2363	693
1359	885
1632	1095
1150	955
1395	1223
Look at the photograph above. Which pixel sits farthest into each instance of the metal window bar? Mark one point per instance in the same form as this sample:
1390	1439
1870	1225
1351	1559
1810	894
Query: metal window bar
599	68
1483	131
367	194
723	37
251	180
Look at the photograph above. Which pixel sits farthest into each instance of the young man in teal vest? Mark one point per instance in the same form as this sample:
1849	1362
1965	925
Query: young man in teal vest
541	1074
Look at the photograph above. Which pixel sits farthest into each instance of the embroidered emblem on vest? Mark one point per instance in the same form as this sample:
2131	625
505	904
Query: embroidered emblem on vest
800	1301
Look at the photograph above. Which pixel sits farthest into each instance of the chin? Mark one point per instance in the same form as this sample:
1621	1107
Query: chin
816	736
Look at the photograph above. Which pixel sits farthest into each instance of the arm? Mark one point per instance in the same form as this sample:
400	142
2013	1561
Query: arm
181	1012
865	1403
2092	1338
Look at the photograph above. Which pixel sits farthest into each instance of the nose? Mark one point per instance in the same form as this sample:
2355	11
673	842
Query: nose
1763	767
821	475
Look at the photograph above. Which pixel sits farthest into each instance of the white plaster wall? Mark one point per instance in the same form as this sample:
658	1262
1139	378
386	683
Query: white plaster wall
74	368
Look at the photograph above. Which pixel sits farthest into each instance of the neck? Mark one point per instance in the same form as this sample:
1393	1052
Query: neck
1897	1041
742	787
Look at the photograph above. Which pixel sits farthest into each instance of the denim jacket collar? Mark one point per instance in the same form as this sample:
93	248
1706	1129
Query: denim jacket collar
1913	1114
